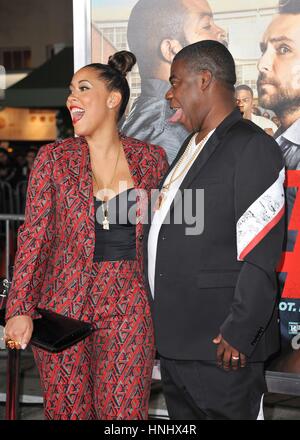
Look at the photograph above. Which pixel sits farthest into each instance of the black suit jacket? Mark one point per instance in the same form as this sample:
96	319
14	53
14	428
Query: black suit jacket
201	288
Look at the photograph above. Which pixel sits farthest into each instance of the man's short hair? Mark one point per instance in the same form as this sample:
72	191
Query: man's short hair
244	87
150	22
213	56
289	7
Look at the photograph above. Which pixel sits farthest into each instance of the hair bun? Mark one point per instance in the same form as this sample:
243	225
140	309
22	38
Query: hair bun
122	61
289	7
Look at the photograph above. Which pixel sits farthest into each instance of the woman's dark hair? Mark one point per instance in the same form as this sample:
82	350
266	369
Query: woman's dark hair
289	7
114	74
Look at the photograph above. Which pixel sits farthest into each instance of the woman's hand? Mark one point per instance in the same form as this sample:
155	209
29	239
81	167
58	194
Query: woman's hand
18	331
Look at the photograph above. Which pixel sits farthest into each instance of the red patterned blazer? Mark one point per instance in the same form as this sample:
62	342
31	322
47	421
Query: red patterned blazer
56	242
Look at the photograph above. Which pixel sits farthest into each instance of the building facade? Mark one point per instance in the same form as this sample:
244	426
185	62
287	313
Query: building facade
31	32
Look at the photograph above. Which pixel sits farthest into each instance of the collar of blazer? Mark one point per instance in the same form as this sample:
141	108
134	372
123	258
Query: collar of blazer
132	156
80	173
208	150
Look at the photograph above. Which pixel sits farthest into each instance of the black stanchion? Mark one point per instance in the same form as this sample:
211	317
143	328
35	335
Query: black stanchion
12	385
13	365
13	356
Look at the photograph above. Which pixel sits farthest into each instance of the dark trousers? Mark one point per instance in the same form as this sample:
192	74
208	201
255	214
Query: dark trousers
200	390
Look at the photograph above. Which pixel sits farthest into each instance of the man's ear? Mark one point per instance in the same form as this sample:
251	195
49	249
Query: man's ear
206	79
114	99
169	48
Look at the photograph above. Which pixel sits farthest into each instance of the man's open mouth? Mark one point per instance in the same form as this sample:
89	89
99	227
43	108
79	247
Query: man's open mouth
177	116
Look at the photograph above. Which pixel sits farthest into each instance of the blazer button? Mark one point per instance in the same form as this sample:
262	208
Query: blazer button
141	237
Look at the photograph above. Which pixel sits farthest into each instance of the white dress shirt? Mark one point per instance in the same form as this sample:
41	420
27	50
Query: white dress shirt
161	213
263	122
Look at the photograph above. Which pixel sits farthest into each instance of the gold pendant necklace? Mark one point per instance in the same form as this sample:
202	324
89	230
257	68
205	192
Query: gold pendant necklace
105	204
105	223
164	191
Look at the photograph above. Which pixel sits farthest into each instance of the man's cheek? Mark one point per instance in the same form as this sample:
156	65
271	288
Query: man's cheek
295	83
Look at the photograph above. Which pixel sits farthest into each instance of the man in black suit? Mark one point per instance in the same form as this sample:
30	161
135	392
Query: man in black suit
213	284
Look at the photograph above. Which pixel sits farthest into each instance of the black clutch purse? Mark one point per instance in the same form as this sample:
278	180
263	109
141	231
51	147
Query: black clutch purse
54	332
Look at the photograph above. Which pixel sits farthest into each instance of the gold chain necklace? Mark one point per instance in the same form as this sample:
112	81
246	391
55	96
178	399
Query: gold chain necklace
105	204
164	191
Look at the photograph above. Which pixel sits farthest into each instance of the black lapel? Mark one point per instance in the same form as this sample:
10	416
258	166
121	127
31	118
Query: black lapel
208	150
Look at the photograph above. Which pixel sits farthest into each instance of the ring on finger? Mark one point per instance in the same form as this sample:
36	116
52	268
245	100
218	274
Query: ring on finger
12	345
235	358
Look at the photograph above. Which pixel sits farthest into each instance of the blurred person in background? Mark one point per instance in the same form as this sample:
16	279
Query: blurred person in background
20	159
244	100
29	161
276	120
266	115
8	169
256	111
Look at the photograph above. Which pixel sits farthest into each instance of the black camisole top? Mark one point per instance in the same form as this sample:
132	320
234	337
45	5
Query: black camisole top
119	242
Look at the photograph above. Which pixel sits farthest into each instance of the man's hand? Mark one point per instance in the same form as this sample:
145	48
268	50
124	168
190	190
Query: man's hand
227	356
18	330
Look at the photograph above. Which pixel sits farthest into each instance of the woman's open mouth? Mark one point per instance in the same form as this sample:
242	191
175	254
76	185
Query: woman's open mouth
77	113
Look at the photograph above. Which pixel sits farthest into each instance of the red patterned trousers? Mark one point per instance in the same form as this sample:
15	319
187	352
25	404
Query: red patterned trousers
108	375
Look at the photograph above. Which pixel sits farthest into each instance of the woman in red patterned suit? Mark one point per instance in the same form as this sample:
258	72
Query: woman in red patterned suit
80	254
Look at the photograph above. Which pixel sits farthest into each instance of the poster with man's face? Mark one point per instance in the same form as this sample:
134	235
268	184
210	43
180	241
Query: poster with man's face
264	39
